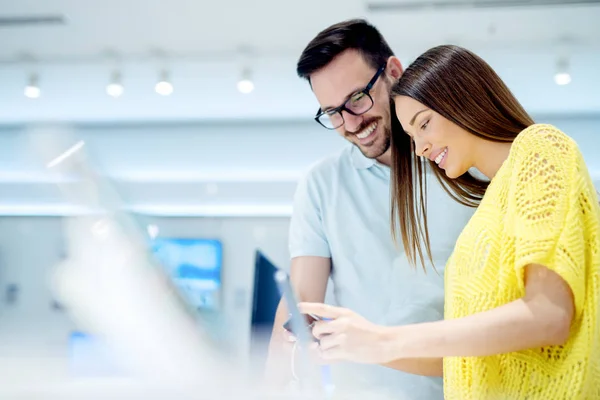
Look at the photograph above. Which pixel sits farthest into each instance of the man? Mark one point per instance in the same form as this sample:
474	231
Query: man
341	221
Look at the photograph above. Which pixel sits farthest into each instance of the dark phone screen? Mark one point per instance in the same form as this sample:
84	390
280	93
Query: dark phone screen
310	320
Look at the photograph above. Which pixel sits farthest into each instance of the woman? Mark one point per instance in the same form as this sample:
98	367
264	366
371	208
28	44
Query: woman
523	283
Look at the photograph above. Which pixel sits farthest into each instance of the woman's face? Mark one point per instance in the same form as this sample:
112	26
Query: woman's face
443	142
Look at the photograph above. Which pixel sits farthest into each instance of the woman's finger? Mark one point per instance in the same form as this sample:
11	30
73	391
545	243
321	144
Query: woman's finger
321	328
330	341
322	310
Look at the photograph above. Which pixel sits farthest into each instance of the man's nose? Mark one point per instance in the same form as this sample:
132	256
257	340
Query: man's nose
352	122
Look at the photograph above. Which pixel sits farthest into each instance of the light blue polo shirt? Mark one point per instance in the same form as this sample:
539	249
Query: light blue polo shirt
342	211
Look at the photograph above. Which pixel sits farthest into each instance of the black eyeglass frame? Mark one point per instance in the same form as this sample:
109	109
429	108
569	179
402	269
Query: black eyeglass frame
339	109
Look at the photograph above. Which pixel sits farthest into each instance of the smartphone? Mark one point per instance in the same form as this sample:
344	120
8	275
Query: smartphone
310	321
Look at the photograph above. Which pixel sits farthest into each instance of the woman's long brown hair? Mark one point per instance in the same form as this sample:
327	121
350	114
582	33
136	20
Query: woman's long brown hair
464	89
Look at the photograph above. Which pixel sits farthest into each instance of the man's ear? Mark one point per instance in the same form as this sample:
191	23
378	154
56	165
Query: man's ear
394	68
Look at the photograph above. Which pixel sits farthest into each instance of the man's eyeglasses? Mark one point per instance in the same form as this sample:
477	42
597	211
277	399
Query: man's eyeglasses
358	103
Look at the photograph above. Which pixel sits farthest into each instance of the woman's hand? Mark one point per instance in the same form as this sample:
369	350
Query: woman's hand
346	336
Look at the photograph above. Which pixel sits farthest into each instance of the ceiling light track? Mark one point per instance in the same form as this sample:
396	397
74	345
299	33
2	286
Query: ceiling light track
441	5
31	20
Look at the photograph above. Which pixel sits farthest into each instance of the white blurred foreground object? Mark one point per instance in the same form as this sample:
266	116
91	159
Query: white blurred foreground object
111	287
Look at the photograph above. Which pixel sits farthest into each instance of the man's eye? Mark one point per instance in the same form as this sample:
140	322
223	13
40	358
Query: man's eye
357	97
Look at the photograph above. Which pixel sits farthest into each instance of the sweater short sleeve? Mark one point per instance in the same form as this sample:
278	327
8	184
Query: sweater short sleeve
543	209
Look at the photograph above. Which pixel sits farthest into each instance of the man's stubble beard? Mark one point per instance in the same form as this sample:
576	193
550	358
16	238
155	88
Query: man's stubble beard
377	150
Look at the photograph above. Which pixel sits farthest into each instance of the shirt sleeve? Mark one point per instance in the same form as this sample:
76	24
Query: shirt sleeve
543	212
307	234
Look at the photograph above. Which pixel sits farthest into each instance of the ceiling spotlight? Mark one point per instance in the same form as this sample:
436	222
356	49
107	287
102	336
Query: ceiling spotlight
164	87
114	90
245	85
32	90
562	76
115	87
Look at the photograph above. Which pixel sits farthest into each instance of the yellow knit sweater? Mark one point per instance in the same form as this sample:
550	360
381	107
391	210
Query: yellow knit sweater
540	208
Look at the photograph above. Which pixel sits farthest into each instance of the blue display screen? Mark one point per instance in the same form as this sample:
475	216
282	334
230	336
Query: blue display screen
195	267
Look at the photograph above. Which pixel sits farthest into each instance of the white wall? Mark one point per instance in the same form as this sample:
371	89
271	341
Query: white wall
33	336
29	247
160	167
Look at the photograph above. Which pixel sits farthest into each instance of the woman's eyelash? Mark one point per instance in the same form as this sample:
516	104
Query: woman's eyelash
424	125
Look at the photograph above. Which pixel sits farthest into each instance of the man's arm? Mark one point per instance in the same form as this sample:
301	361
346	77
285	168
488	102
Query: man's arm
308	277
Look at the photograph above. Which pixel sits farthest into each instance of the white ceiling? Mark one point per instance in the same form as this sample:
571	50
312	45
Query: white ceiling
275	26
201	40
